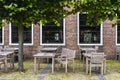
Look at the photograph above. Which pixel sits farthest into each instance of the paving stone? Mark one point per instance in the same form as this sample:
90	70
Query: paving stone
44	72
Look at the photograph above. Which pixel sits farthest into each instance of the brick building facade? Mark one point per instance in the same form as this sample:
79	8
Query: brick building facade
71	37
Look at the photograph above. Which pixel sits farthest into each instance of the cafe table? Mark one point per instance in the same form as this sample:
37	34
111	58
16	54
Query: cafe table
6	55
43	55
88	57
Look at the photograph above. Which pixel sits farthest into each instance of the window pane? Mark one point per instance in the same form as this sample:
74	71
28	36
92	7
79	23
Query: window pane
27	38
52	33
0	35
14	33
27	35
88	34
118	34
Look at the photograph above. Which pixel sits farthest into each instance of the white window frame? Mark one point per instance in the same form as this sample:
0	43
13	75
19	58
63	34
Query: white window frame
53	44
2	36
116	36
101	34
10	36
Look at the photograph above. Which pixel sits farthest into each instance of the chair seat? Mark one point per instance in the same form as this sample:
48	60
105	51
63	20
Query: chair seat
96	65
1	63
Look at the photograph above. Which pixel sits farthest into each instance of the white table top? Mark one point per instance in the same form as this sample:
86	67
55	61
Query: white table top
5	53
11	48
87	48
44	55
49	49
89	54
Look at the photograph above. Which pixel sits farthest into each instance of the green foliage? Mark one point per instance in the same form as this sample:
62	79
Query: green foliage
25	12
99	9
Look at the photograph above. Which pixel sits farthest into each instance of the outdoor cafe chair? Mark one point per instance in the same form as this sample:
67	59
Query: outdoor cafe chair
2	62
66	57
117	53
97	60
88	50
71	57
62	56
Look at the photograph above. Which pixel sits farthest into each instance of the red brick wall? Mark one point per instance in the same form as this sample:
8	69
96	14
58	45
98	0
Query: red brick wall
6	35
70	37
71	33
109	37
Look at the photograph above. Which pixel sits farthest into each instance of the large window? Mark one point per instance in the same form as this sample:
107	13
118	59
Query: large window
52	34
118	34
27	34
88	35
1	36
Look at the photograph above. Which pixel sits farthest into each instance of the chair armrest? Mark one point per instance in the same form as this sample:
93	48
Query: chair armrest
62	56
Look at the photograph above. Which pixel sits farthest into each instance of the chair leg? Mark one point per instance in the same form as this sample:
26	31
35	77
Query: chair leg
104	67
66	68
0	66
119	57
73	66
10	63
38	64
116	57
90	70
101	70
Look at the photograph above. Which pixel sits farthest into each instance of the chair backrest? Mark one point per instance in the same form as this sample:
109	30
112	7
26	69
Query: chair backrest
59	49
90	51
71	54
96	48
117	49
39	48
6	46
1	48
64	51
97	58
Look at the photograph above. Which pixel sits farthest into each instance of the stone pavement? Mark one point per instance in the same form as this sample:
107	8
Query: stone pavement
44	72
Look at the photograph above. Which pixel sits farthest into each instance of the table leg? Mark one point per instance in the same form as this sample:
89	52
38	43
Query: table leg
84	62
52	65
104	67
5	63
35	65
12	60
39	61
86	65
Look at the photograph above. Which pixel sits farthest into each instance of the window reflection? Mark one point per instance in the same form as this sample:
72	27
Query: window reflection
51	33
88	34
27	34
0	35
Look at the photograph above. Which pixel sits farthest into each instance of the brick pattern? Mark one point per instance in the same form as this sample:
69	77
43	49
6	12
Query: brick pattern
70	37
109	37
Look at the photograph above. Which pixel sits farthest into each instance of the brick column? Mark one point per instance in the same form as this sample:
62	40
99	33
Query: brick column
109	37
